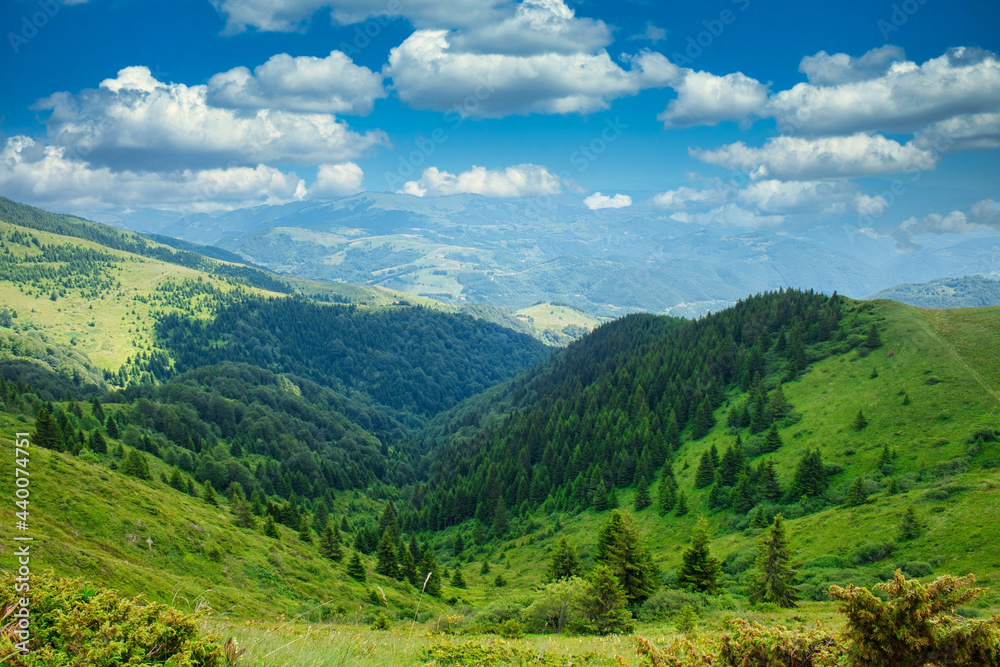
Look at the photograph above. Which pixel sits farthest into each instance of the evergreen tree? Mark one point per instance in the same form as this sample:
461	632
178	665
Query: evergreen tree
706	472
408	565
873	341
428	572
389	521
741	498
772	440
97	410
457	579
355	568
906	399
859	421
775	578
244	517
388	564
111	426
270	528
485	569
767	481
682	507
810	476
176	480
208	495
672	435
329	544
321	516
500	523
759	519
256	506
604	603
667	490
732	464
893	487
620	547
601	497
459	545
703	419
47	433
909	526
779	404
885	459
135	464
857	494
97	443
699	570
642	499
305	532
565	562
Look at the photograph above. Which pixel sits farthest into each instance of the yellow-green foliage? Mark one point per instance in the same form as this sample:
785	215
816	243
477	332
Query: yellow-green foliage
496	651
74	623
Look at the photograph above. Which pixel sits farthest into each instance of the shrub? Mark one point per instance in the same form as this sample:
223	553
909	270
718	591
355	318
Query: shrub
981	435
381	622
917	569
76	623
666	602
872	552
752	644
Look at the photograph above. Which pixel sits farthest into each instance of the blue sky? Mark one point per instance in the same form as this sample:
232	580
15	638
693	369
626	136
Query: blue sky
745	113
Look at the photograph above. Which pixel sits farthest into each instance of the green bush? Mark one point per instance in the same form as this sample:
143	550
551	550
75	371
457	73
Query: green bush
666	602
917	569
872	552
76	623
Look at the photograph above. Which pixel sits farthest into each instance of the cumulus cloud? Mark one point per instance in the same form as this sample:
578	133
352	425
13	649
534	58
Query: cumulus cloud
686	197
651	33
334	180
823	69
815	197
535	27
428	74
961	133
47	175
597	201
135	122
729	215
292	15
905	98
798	158
982	214
521	180
706	99
319	85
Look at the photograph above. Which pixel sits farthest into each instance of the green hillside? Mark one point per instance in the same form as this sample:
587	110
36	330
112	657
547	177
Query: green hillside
967	292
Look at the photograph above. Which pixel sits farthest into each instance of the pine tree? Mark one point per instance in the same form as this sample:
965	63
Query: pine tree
893	487
706	472
642	499
601	497
501	525
97	443
111	425
703	420
270	528
885	459
810	476
873	341
565	562
672	434
47	433
759	519
857	494
428	572
772	440
909	526
329	545
775	578
667	491
208	495
485	569
305	532
389	521
388	564
457	579
767	481
859	421
620	547
459	546
604	604
355	568
244	517
176	480
135	464
682	507
407	565
741	498
321	516
699	570
906	399
96	409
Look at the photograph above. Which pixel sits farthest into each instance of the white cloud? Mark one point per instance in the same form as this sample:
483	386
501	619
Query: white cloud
521	180
961	133
729	215
706	99
982	214
866	205
651	32
823	69
535	27
292	15
337	180
685	197
319	85
598	201
47	176
798	158
905	98
428	74
814	197
135	122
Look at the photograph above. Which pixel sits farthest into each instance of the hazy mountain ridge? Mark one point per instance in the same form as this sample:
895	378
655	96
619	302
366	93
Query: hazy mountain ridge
966	292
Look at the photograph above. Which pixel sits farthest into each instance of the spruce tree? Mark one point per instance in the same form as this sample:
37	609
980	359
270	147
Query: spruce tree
428	572
97	443
208	494
909	526
111	426
604	603
857	494
47	433
389	521
270	528
321	516
407	565
135	464
667	491
501	525
772	440
244	517
810	476
873	340
775	578
97	410
673	432
682	507
305	532
703	420
759	519
742	497
355	568
388	564
906	399
601	497
459	546
767	481
565	562
706	472
457	578
620	547
885	458
699	570
484	570
642	499
859	421
893	487
176	480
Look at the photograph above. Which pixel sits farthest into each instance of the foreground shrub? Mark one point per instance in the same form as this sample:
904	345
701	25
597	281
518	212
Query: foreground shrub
76	623
752	644
500	652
